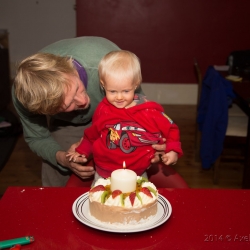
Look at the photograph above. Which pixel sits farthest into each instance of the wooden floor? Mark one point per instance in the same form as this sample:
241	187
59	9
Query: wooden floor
24	167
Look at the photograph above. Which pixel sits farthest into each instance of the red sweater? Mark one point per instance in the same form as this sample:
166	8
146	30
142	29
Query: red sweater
118	135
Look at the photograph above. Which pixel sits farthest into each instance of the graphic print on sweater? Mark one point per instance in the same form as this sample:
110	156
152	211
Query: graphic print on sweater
128	135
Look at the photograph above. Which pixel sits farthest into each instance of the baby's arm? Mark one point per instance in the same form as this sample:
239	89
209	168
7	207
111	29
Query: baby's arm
170	158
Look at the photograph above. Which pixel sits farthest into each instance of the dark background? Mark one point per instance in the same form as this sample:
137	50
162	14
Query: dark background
167	34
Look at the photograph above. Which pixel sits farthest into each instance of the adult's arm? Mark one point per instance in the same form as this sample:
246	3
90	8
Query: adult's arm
40	141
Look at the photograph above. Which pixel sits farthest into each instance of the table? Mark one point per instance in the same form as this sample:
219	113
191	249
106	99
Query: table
242	91
201	219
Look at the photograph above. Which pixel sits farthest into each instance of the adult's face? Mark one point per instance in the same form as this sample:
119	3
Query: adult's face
76	96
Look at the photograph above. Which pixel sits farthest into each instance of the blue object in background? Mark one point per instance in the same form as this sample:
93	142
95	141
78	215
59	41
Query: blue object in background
216	96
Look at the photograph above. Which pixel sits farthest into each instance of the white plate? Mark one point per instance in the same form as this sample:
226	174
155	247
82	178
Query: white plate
80	210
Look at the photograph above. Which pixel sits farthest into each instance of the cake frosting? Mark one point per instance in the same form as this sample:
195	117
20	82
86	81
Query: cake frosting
124	208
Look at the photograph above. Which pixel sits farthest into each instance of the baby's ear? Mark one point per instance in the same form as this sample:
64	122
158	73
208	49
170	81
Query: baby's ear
136	86
101	84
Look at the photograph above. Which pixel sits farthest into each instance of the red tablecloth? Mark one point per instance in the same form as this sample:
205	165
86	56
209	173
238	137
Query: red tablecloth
201	219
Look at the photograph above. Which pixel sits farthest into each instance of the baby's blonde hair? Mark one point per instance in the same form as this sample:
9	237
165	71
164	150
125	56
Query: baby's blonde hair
120	64
41	81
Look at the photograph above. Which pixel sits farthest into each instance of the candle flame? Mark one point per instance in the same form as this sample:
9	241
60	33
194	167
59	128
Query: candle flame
124	165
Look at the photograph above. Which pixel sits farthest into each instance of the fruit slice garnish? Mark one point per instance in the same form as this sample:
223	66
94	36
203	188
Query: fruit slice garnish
152	190
132	198
139	197
97	188
122	199
103	197
146	191
115	193
141	180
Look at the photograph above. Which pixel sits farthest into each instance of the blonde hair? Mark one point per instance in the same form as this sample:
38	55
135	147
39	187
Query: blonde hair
41	81
120	64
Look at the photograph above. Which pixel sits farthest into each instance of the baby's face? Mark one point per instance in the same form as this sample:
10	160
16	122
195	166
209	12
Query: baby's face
119	92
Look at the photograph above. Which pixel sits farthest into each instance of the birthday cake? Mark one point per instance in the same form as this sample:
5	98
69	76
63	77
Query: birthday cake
136	204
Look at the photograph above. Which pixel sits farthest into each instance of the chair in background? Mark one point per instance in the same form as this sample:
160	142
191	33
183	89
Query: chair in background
236	129
236	136
161	175
165	177
239	62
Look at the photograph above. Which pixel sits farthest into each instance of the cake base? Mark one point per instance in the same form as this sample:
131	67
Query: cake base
115	214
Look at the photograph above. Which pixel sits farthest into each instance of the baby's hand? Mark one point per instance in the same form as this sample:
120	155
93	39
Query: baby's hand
170	158
72	156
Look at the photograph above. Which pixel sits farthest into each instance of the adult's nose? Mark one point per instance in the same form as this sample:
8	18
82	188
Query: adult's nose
80	100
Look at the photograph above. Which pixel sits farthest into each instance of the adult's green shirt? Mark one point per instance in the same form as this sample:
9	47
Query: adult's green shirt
88	51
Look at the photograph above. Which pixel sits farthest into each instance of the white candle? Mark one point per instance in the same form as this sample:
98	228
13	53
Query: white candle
124	180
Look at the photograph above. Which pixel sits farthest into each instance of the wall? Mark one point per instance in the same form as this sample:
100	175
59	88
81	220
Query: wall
33	24
176	27
167	34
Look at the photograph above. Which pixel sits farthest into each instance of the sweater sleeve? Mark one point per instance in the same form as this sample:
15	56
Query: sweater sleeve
173	140
151	116
86	145
91	134
170	132
37	134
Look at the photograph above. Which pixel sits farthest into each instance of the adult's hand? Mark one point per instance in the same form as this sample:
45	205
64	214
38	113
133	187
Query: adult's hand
160	150
76	167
